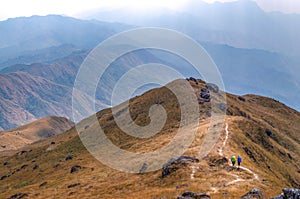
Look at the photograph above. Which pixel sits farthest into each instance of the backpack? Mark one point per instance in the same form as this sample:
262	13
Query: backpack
233	159
239	159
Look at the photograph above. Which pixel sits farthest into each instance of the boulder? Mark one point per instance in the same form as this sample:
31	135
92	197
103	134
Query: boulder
241	98
5	163
205	95
289	193
269	132
192	195
69	157
193	79
222	106
75	169
35	167
254	194
212	87
175	163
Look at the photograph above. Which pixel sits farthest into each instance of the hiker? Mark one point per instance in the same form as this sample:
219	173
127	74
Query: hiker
233	160
239	160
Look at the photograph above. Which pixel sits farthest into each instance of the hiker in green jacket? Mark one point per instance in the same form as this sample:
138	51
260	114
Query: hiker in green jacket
233	160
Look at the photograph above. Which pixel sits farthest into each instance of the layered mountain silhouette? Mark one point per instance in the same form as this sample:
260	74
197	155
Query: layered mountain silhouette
264	132
25	35
53	96
53	52
242	24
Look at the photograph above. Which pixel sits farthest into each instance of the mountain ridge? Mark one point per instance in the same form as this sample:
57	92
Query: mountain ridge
19	137
267	154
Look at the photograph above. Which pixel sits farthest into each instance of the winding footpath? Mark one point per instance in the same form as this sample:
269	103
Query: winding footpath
238	179
225	141
220	152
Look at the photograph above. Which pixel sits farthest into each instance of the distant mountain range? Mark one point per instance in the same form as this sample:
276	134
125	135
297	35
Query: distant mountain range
40	56
22	36
241	24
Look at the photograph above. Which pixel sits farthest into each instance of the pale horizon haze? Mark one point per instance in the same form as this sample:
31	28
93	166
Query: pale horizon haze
26	8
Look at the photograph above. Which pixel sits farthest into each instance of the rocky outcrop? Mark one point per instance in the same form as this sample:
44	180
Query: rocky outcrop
192	195
254	194
192	79
204	96
212	87
175	163
289	193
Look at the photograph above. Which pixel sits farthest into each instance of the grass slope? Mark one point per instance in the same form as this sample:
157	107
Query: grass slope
45	171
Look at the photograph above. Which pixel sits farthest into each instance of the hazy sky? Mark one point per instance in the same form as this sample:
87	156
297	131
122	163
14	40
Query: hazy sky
15	8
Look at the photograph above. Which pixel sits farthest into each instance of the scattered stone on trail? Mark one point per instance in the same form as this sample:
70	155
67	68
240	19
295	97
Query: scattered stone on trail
144	168
290	156
254	194
52	142
269	132
69	157
192	195
18	196
43	184
289	193
71	193
75	168
175	163
35	167
24	166
5	163
21	152
73	185
182	185
4	177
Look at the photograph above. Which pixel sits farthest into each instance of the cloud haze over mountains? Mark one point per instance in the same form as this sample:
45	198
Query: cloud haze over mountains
256	52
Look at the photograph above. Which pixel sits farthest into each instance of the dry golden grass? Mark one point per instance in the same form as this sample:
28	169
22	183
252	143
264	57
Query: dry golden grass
267	156
17	138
